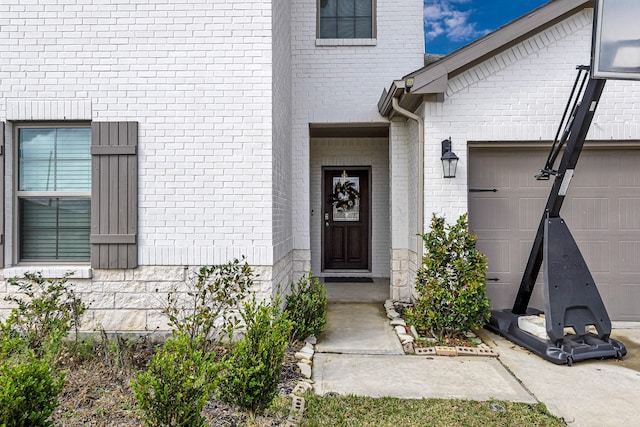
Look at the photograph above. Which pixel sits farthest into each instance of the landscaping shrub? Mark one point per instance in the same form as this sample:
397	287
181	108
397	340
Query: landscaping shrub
30	341
306	307
179	380
450	284
254	368
29	389
205	310
48	313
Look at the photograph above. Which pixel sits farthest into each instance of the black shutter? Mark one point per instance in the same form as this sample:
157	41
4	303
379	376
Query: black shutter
114	194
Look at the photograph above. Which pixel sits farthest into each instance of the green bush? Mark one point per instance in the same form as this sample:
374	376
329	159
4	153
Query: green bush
255	362
451	283
11	345
48	313
306	306
29	389
205	309
179	380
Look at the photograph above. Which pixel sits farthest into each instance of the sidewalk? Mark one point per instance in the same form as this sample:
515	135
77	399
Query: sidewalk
358	354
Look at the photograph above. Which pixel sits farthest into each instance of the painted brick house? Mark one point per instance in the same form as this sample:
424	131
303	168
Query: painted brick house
500	100
145	138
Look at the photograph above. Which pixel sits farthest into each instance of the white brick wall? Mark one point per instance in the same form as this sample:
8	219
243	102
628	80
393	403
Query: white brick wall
338	83
224	92
519	95
412	170
403	146
197	76
399	182
282	108
207	82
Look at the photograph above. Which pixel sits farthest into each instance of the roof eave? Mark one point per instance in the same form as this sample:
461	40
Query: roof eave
430	79
385	103
406	98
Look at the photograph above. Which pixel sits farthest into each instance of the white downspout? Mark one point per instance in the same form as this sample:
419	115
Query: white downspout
420	207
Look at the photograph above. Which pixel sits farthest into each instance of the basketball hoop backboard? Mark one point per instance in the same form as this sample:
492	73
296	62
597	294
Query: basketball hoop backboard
616	40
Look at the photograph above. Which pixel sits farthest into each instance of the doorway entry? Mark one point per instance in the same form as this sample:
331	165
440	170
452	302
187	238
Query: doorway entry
346	231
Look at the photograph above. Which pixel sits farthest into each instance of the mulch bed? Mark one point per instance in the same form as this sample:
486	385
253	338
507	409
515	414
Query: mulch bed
98	393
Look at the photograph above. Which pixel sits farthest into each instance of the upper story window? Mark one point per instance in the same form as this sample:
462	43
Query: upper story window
54	193
346	19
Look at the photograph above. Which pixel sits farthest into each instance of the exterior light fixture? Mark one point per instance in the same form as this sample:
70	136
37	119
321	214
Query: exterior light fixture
408	84
449	159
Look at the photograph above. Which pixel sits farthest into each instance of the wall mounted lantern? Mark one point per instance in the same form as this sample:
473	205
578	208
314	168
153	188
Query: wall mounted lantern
449	159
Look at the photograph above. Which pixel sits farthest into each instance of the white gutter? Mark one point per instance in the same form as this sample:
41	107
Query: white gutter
420	207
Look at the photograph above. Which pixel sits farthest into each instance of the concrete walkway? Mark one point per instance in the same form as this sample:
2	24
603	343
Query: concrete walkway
358	329
358	354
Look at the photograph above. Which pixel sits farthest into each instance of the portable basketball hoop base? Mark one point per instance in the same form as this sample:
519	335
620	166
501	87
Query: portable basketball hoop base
571	298
572	348
571	301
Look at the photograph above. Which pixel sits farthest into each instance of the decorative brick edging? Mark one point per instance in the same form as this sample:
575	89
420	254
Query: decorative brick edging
305	357
408	335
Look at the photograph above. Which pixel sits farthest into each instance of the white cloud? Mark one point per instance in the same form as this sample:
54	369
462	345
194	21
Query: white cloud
446	17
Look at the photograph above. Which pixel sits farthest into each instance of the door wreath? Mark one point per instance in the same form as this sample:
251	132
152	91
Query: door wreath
345	195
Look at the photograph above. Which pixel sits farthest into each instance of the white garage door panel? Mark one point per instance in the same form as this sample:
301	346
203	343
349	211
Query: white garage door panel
598	252
587	214
629	219
497	209
499	251
629	256
529	211
629	301
602	211
501	294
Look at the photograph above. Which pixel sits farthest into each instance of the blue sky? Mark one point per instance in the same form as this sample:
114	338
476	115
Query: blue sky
451	24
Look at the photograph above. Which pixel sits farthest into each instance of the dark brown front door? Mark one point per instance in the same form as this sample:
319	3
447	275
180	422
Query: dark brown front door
346	231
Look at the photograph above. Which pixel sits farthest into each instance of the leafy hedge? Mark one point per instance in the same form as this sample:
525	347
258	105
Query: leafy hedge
29	389
179	381
255	363
451	283
307	307
45	311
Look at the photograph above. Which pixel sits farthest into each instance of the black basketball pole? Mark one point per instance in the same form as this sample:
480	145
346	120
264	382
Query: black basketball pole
575	142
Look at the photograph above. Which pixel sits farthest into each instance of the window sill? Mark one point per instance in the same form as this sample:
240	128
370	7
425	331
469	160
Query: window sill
51	271
346	42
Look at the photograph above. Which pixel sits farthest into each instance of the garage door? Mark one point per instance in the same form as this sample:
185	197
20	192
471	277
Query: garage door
602	211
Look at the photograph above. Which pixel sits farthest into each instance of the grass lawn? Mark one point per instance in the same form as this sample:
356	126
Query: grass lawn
366	411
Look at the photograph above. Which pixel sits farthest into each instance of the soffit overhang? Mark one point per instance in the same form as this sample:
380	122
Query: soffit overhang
431	81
